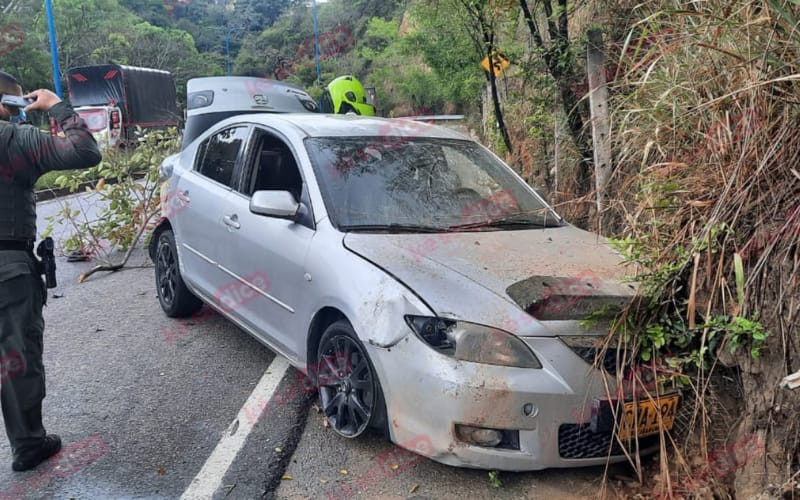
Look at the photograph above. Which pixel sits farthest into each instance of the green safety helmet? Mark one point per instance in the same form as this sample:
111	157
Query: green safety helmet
346	95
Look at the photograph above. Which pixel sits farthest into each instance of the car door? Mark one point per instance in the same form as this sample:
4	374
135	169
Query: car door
265	256
200	225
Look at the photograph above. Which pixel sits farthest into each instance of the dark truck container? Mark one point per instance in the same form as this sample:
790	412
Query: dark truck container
115	99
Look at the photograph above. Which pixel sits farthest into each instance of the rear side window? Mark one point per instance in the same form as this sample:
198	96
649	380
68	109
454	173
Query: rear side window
218	154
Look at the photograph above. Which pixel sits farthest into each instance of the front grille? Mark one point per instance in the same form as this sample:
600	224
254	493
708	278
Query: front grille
577	441
609	360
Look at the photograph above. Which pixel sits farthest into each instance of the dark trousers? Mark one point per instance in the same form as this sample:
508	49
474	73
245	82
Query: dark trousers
22	296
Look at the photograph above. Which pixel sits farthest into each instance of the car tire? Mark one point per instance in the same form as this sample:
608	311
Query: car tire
349	392
174	296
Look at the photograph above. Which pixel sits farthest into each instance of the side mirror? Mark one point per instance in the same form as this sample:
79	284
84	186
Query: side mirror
279	204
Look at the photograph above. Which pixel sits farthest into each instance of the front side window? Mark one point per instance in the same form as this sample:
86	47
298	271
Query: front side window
217	155
369	183
272	167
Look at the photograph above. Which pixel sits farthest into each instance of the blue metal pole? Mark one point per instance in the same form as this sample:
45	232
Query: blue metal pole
316	41
48	4
228	51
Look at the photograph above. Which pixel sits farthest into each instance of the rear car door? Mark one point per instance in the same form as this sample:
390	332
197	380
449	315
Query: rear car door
199	200
265	256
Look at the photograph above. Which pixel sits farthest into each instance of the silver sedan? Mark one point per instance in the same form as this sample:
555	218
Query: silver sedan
421	284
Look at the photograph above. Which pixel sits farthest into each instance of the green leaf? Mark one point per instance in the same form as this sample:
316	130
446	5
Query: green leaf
784	13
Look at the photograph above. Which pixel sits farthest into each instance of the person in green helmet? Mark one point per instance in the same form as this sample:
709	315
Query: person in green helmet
346	95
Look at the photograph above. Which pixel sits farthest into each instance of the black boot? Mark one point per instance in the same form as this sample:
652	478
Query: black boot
31	458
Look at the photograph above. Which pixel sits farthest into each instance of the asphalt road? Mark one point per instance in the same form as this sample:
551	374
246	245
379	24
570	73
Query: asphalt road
146	404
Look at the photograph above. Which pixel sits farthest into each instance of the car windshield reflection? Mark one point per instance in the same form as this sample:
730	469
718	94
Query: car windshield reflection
393	182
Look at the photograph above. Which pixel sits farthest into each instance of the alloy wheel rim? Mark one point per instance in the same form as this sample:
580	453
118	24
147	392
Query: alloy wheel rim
346	385
167	273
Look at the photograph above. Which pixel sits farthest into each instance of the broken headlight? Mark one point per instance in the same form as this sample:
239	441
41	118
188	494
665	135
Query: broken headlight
472	342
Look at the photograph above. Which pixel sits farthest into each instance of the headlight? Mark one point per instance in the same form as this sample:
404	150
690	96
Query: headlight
472	342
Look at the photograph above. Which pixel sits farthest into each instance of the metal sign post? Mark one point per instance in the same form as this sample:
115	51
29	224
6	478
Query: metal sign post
51	25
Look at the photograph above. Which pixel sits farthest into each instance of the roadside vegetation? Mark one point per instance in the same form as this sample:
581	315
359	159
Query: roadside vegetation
702	200
129	206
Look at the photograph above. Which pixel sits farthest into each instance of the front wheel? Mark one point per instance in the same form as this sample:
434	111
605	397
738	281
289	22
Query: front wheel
173	294
349	391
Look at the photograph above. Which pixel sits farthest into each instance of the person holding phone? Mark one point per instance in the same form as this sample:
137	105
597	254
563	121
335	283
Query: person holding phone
25	154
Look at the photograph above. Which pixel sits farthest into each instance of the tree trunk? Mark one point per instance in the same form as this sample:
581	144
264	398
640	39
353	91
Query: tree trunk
498	112
563	77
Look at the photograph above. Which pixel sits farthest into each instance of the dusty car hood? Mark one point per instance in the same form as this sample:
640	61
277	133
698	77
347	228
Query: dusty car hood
552	273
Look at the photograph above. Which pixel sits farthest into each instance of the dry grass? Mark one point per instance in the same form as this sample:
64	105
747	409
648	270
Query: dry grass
705	123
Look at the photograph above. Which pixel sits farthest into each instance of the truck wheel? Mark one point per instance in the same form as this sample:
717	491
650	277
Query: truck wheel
174	296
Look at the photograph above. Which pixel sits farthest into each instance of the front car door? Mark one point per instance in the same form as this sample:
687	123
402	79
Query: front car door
265	256
197	206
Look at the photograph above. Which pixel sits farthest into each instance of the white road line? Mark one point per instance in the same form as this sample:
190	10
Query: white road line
210	476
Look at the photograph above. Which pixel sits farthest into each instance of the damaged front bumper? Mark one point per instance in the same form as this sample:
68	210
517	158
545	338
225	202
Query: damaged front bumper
539	417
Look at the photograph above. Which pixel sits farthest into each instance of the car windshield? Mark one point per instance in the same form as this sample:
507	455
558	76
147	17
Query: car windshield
415	183
95	119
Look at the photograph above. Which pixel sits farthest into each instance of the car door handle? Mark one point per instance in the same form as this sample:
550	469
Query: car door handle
184	196
232	221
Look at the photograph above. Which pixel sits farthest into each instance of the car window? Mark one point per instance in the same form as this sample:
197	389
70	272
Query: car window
272	166
217	155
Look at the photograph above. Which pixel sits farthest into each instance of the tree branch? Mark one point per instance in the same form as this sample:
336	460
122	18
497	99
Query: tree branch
563	25
551	26
534	29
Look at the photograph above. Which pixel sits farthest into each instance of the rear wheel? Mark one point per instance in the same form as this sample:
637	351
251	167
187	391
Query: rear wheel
349	391
173	294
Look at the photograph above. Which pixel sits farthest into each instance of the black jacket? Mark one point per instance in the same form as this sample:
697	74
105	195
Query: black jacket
26	154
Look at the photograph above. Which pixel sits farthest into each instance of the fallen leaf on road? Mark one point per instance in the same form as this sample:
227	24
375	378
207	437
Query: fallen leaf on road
395	466
286	477
323	481
413	488
278	450
343	471
325	422
161	472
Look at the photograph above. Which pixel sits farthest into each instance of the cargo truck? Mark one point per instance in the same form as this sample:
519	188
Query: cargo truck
114	100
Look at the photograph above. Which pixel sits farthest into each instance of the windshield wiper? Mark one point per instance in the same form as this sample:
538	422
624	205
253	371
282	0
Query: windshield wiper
395	228
509	221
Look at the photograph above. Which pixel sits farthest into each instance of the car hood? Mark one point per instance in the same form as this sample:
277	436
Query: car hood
498	277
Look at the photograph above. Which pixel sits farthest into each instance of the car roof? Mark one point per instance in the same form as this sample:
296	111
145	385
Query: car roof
323	125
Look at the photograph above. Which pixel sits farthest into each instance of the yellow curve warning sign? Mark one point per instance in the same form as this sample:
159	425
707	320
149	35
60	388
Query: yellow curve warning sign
500	63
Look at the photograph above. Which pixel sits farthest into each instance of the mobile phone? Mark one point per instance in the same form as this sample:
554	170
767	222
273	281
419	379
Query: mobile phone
15	101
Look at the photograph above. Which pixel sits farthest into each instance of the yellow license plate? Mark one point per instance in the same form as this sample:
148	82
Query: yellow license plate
642	418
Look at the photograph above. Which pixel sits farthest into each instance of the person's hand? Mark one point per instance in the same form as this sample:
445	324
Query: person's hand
44	100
